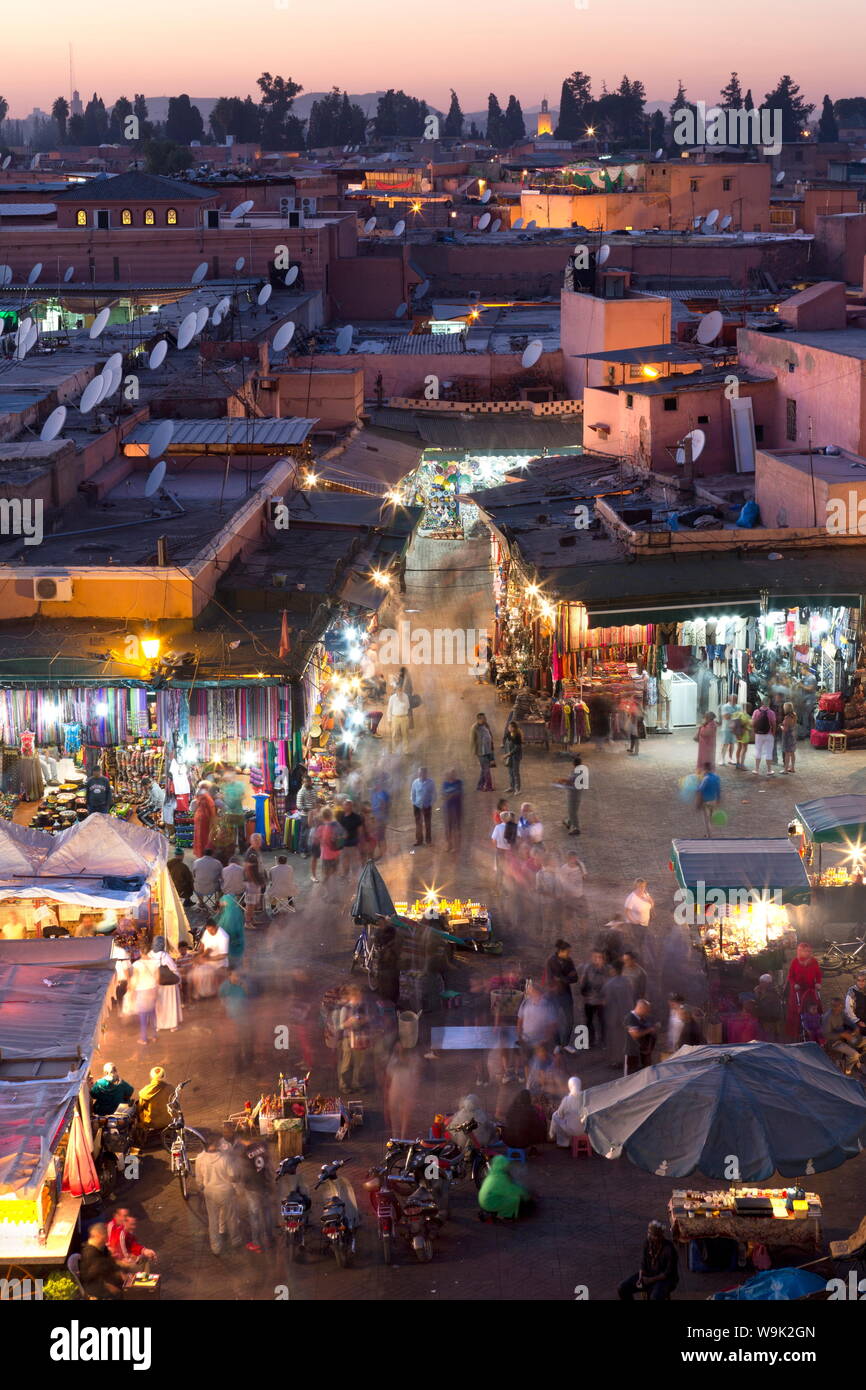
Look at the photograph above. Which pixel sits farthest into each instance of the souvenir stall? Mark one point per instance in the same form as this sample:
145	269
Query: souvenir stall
596	676
522	630
830	836
444	478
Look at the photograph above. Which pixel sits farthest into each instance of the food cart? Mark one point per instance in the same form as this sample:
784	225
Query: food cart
737	897
751	1216
464	923
830	835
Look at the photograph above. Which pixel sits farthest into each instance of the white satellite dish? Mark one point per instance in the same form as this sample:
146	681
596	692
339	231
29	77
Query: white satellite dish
115	360
531	226
483	221
603	255
532	352
199	273
92	393
53	425
283	336
485	196
400	311
99	322
35	273
32	335
242	209
420	290
154	479
160	439
291	275
201	318
698	440
223	307
264	294
496	224
6	162
344	339
5	275
157	355
516	226
187	330
725	222
712	218
240	262
113	377
709	327
369	225
399	228
216	318
780	177
23	329
658	154
68	274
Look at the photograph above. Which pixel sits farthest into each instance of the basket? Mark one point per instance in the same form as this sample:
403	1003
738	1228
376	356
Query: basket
290	1138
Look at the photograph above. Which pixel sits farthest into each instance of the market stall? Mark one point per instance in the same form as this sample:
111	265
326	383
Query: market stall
773	1217
830	835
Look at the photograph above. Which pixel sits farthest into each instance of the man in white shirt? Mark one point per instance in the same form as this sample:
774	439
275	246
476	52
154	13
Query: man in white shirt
504	839
398	719
215	944
281	881
571	875
233	877
207	874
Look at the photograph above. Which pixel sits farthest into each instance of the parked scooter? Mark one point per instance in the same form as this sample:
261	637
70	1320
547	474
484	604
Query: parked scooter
339	1219
117	1136
294	1208
476	1155
416	1217
440	1163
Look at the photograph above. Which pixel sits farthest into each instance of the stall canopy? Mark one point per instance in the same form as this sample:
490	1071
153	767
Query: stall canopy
762	866
834	820
22	849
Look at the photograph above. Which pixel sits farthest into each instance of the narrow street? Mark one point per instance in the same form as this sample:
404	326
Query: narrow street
592	1212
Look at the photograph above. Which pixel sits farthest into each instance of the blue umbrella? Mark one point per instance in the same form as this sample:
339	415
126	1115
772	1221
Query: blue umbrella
764	1106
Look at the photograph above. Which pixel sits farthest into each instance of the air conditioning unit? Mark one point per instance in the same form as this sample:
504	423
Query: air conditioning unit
51	589
308	206
287	205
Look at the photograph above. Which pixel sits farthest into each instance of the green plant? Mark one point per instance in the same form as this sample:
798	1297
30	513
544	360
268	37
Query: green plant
60	1286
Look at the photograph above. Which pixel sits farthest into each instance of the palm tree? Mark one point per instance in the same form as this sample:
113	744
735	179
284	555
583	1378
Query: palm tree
4	107
60	112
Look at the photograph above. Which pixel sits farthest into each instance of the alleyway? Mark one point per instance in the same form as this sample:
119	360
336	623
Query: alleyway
593	1213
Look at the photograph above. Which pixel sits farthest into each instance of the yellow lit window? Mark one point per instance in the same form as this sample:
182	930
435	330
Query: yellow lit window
148	217
81	218
126	218
171	217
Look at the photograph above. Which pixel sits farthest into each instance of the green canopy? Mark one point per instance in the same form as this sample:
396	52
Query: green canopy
834	820
764	866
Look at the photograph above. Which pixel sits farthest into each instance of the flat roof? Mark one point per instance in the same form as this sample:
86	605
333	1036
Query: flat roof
843	467
237	432
846	342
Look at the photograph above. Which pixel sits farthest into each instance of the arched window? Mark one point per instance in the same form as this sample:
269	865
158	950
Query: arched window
81	218
171	217
149	218
126	218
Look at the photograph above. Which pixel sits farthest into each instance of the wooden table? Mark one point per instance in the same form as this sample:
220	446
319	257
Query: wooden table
802	1229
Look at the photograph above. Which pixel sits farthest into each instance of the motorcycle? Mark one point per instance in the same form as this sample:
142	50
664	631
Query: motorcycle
386	1208
339	1214
294	1208
417	1220
117	1133
440	1162
476	1155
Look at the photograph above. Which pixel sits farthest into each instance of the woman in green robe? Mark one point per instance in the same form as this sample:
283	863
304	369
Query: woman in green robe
500	1194
231	919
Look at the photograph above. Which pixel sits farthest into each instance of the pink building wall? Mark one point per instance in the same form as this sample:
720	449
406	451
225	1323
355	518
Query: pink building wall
827	386
590	324
405	375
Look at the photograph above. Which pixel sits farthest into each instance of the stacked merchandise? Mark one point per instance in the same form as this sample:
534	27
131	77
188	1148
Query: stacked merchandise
8	802
855	719
142	759
60	809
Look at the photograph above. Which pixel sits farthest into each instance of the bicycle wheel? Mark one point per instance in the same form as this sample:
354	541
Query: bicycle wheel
195	1143
834	965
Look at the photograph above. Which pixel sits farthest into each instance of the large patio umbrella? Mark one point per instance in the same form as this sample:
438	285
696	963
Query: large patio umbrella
765	1106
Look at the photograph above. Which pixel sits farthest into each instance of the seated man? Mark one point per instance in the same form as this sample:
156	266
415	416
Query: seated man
281	881
840	1038
110	1091
99	1273
658	1275
233	877
181	876
128	1253
207	874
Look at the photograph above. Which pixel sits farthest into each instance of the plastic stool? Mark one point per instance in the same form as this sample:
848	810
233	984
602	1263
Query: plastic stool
580	1145
515	1155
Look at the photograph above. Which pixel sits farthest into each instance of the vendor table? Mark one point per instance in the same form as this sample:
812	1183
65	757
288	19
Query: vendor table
18	1243
473	1039
802	1228
535	733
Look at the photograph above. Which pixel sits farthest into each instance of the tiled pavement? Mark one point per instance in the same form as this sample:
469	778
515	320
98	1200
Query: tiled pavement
592	1213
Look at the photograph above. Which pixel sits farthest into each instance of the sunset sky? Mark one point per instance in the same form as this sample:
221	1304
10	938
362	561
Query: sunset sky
219	47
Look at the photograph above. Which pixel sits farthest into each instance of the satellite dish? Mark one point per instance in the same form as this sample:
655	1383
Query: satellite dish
160	439
485	196
603	255
344	339
201	318
240	262
32	335
725	222
23	329
483	221
99	322
5	275
187	330
532	352
531	226
157	355
658	154
216	318
53	425
291	275
115	360
6	162
223	307
698	440
780	177
400	228
283	336
709	327
242	209
112	375
400	311
264	294
92	393
712	218
369	225
497	223
35	273
105	379
154	479
420	290
68	274
516	226
199	273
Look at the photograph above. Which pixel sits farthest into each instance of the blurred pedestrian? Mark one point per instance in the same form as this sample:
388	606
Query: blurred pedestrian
402	1082
705	737
512	742
356	1041
634	972
143	988
619	999
422	792
452	810
481	744
234	997
591	982
641	1030
216	1180
560	974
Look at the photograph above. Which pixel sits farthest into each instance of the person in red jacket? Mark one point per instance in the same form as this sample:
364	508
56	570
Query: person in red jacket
804	975
122	1244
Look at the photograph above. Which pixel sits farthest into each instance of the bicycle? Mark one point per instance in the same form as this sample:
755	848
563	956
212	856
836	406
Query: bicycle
839	956
363	953
176	1141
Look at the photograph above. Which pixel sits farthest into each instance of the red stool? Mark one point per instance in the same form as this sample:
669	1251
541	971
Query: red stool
580	1146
